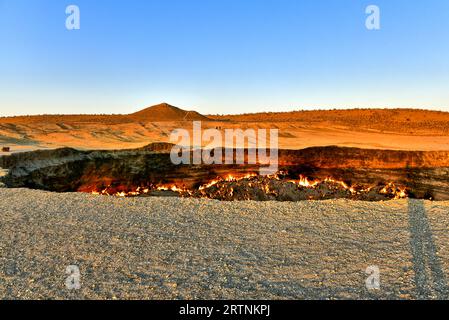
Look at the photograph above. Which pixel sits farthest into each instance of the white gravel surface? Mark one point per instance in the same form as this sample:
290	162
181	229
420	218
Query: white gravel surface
170	248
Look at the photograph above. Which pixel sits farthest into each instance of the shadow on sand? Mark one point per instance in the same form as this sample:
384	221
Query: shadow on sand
429	276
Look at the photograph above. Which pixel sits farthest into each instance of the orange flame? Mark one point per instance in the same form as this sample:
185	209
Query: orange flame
303	182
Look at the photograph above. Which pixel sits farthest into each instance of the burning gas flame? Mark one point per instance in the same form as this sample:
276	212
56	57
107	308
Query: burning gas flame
390	189
228	178
170	188
305	182
107	192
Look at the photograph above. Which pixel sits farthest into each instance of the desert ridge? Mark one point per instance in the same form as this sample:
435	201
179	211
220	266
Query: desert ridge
392	129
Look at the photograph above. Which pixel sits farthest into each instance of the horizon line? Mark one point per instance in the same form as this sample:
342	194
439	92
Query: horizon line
306	109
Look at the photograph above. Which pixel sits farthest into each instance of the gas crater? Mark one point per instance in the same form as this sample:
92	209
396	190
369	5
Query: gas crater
310	174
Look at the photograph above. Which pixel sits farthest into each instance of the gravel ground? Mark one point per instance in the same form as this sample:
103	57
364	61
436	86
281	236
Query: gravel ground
170	248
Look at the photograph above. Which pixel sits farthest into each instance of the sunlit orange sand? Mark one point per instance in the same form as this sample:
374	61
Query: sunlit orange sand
398	129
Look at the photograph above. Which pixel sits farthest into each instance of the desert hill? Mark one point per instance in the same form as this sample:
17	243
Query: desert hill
166	112
157	113
398	129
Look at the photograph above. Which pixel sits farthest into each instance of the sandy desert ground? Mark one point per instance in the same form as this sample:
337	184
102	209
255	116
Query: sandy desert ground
395	129
167	248
171	248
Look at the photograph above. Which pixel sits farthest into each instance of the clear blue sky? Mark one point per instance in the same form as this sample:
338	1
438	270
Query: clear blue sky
222	56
